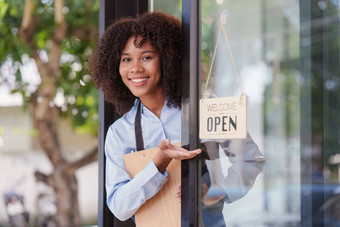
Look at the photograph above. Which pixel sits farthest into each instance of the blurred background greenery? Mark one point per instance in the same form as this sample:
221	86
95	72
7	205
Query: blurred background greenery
44	49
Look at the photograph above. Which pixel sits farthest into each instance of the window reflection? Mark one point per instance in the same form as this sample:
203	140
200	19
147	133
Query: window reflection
229	170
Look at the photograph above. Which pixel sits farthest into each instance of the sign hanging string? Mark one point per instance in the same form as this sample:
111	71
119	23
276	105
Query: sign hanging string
223	21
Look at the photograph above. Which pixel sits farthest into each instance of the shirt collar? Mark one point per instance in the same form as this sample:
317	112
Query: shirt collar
142	106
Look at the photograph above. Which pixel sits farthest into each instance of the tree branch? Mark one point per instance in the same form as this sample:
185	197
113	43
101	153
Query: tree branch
59	17
58	36
28	26
91	156
27	17
39	176
89	33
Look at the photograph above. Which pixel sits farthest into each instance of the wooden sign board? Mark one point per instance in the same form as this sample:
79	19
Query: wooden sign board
223	118
163	209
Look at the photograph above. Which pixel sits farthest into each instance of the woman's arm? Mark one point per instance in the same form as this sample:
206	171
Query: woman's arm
126	195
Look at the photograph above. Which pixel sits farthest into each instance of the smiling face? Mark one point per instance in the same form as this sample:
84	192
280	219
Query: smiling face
140	69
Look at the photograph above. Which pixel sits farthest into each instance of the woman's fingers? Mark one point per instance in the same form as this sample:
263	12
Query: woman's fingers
193	153
164	144
178	194
180	153
176	152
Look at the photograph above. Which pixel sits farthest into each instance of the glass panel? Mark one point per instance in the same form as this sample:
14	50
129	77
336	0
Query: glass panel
287	57
171	7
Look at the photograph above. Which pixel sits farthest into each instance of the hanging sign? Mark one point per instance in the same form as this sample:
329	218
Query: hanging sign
223	118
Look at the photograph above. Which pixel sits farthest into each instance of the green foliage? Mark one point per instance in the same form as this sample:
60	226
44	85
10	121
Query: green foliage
10	20
74	82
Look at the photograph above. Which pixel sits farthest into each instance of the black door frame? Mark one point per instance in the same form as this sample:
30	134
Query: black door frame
191	169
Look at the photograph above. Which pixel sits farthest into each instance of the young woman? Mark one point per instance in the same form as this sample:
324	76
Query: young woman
137	64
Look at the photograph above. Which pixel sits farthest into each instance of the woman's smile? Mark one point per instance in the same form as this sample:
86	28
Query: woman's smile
139	81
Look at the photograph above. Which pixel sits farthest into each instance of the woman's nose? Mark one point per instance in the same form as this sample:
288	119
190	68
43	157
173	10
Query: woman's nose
137	67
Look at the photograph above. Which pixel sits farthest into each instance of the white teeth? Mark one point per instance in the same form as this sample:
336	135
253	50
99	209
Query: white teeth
139	80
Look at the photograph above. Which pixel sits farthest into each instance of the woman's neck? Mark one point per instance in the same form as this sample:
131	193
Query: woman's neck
154	104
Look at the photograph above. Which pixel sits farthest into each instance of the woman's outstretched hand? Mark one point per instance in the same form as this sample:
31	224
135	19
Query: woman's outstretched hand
167	152
176	152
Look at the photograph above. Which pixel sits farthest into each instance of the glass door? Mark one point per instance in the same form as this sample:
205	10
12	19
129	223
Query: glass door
286	173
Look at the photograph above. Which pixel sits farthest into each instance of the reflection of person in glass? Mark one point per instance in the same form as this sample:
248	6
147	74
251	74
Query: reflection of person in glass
218	188
138	66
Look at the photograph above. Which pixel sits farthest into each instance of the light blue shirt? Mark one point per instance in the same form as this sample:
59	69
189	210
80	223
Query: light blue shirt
126	195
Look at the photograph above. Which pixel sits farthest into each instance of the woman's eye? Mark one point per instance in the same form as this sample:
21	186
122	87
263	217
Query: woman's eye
126	59
146	58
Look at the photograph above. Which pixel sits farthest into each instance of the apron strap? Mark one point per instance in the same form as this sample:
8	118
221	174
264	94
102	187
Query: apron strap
138	128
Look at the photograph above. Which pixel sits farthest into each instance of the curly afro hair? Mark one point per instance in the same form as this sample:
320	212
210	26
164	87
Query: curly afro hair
164	33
